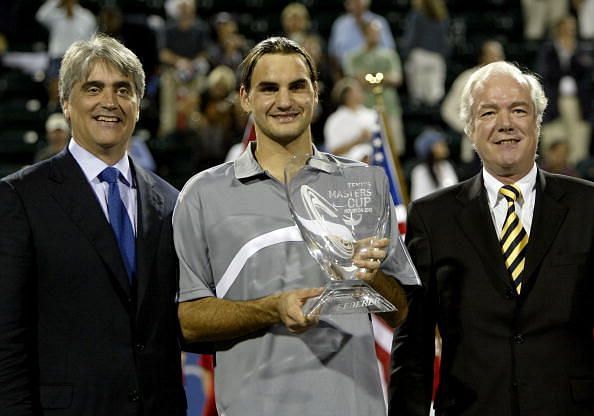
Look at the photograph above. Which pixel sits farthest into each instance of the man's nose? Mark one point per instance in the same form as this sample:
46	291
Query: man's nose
504	122
109	99
283	98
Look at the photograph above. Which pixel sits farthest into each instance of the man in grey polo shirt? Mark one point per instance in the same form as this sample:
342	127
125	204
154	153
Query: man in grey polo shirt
245	271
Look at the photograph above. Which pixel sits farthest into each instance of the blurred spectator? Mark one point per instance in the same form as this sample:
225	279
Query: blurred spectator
585	18
490	51
230	46
541	15
565	65
349	129
434	170
136	36
57	134
184	64
296	22
221	119
425	47
347	33
140	153
374	58
3	49
66	22
555	158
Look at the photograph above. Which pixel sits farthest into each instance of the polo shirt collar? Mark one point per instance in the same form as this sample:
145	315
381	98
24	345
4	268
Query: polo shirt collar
246	165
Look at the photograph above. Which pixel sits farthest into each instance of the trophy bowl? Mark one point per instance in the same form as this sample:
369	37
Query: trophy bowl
340	210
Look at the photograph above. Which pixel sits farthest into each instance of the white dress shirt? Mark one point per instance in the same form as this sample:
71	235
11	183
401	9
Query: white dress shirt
498	203
92	166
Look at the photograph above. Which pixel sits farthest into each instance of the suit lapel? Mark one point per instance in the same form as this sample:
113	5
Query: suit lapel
476	223
546	221
150	214
73	193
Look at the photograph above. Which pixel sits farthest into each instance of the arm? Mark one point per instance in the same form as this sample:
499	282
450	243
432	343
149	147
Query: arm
450	108
340	148
413	348
204	317
48	12
213	319
16	263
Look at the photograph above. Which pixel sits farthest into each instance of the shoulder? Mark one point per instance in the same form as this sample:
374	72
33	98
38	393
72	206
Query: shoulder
568	183
446	197
29	175
164	187
210	179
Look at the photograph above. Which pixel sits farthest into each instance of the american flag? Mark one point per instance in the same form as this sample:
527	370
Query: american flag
383	157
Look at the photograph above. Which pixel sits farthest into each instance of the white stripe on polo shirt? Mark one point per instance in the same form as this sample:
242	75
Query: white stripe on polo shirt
282	235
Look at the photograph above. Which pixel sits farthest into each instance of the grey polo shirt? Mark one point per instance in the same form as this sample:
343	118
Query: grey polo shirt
236	240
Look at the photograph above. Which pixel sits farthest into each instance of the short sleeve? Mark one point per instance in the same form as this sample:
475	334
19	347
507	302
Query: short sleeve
196	279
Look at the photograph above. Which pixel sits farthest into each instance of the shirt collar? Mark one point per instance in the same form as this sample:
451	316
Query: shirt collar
247	166
92	166
526	185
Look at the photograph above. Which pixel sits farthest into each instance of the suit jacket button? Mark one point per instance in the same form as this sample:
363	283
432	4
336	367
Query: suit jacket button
518	339
510	294
139	347
133	396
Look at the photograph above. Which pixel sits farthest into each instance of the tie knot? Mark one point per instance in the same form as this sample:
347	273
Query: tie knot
510	192
109	175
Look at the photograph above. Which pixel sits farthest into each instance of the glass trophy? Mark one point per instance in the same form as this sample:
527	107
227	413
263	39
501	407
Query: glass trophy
340	209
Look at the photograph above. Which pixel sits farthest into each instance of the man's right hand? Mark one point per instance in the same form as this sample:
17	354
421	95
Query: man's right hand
289	309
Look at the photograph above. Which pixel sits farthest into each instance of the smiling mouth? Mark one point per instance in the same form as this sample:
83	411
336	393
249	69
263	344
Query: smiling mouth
107	119
285	116
507	141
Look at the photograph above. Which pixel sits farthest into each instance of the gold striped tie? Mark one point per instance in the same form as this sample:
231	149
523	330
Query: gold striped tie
513	236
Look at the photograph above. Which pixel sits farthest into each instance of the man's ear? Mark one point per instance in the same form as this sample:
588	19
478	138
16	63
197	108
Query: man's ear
244	99
66	110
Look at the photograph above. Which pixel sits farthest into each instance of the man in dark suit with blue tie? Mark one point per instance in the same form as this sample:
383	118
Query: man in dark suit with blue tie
507	264
88	321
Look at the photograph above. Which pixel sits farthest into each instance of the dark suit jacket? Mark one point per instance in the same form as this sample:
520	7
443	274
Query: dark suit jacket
75	338
503	355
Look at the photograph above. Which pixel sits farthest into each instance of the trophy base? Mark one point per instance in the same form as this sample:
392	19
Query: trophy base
345	297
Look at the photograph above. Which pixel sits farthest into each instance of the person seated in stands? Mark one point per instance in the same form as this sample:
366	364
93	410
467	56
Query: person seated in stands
374	58
66	21
555	158
57	134
565	64
185	66
230	46
348	131
434	171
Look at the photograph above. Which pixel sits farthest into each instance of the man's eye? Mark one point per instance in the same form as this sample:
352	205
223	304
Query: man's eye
297	87
93	90
123	91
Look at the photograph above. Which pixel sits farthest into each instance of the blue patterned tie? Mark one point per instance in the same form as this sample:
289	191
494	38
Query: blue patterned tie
119	219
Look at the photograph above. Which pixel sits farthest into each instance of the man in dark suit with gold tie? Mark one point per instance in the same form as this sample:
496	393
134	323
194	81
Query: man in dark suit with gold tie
506	259
87	267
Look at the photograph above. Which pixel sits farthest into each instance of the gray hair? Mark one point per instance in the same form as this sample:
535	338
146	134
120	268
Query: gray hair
80	57
539	100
